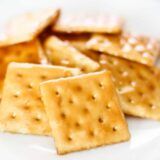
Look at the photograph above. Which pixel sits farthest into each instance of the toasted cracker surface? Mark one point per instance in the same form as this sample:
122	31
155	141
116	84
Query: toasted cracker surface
135	48
138	86
25	52
27	26
86	23
63	53
22	110
84	116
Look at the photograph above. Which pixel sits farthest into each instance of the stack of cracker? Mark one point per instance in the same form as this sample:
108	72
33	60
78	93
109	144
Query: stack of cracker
74	77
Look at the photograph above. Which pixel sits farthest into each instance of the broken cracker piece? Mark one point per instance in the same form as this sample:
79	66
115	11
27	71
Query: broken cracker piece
22	110
27	26
138	86
86	23
135	48
63	53
84	116
25	52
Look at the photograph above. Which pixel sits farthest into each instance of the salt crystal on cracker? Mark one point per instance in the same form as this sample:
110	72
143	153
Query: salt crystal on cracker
135	48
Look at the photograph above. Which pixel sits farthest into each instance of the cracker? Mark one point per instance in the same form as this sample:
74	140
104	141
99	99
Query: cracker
138	86
84	116
63	53
79	42
27	26
136	48
81	46
22	110
85	23
25	52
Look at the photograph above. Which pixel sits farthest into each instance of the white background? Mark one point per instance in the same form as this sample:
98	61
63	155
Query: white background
142	16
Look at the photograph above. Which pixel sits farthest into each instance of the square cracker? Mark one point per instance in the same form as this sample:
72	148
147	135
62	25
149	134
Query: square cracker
84	116
27	26
22	110
138	86
88	23
136	48
25	52
62	53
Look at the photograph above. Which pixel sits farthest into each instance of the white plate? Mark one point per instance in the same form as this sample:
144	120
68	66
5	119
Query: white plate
142	16
144	144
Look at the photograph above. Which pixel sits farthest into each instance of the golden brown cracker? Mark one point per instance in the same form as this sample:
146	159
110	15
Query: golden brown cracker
79	42
135	48
22	110
88	23
27	26
25	52
84	116
138	86
62	53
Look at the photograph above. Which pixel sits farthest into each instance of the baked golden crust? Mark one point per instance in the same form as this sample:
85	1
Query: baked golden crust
138	86
22	110
84	112
63	53
135	48
88	24
27	26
